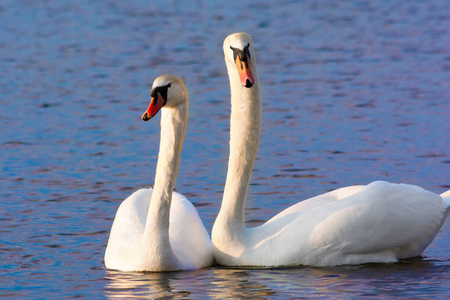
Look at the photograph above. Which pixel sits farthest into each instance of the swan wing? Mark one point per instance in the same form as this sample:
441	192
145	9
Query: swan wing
127	229
319	200
188	236
382	222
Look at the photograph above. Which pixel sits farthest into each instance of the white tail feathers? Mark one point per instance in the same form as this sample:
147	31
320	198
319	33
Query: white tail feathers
446	197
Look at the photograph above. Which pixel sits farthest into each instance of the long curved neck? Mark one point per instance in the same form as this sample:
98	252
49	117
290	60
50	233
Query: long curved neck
244	139
173	124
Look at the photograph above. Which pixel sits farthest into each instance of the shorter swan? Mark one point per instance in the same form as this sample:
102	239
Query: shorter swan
158	229
379	222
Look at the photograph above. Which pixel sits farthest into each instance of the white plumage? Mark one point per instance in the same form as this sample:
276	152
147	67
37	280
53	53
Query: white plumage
379	222
188	237
158	229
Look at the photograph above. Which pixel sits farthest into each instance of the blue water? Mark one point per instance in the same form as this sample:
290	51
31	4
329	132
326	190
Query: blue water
352	92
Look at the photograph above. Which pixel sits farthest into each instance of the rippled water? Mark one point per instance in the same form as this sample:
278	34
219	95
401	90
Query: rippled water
352	92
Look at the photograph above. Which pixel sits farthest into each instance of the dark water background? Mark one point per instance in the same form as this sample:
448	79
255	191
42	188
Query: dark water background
352	92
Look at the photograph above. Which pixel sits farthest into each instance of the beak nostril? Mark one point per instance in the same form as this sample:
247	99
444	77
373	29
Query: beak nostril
145	117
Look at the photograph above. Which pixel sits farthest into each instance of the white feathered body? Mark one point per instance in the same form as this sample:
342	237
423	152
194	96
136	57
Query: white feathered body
158	229
127	251
380	222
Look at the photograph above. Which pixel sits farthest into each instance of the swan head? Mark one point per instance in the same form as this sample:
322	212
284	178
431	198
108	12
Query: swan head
167	91
239	54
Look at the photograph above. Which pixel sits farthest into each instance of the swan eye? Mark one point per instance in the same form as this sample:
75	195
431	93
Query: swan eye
247	51
244	55
162	90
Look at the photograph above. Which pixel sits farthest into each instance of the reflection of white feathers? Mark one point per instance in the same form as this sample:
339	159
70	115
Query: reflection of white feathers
380	222
158	229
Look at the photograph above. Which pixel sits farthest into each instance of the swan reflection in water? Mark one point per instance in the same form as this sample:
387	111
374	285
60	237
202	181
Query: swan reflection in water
217	283
145	285
220	283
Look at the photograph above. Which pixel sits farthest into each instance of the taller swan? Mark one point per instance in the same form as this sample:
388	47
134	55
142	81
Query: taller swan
379	222
158	229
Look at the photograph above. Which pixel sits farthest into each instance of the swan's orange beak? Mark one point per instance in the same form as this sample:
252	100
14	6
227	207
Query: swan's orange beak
155	105
245	73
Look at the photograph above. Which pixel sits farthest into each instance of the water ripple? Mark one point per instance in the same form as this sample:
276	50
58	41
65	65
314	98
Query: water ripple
352	92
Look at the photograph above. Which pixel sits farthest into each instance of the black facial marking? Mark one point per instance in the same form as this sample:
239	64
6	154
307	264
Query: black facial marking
243	54
247	51
161	90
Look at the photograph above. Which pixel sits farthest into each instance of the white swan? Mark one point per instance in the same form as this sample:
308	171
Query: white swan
158	229
379	222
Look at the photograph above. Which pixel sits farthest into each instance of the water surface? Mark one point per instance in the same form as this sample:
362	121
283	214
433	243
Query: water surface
352	92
